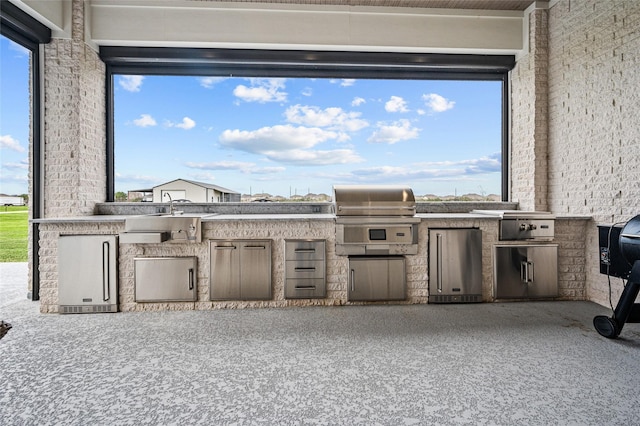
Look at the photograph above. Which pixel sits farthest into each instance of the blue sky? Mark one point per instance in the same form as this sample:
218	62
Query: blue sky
14	118
282	136
294	136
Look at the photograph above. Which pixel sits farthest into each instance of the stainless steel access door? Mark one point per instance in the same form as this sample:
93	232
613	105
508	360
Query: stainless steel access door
166	279
455	265
240	270
87	273
255	270
376	278
224	270
526	271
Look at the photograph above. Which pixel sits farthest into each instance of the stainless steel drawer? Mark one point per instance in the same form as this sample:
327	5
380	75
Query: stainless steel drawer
305	288
304	250
305	269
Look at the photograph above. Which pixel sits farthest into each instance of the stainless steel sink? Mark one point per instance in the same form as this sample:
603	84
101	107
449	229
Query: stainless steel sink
157	228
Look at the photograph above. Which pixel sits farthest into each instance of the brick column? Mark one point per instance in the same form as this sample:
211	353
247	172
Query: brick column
529	117
75	133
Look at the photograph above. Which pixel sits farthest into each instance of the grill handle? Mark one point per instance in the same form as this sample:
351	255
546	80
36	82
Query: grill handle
412	208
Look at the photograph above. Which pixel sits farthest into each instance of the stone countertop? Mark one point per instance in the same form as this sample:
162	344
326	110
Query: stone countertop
213	217
219	217
206	217
82	219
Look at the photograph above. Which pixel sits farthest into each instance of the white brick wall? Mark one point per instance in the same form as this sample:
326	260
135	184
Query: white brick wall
589	81
74	129
529	136
594	103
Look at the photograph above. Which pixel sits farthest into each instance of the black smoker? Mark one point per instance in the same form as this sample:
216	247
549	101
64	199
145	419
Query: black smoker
626	310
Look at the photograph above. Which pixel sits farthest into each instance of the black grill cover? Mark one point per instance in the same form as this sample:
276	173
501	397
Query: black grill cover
630	240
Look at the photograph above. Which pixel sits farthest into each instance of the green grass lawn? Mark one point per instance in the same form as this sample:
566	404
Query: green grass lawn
14	225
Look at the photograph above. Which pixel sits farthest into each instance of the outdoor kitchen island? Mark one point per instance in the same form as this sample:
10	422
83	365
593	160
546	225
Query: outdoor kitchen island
278	229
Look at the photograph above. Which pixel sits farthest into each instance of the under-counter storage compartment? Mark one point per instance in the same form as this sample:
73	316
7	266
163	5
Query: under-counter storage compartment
305	269
240	270
455	265
87	274
376	278
165	279
526	271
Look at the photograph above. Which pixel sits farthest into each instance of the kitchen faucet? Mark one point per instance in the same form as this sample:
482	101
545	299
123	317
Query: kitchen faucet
171	208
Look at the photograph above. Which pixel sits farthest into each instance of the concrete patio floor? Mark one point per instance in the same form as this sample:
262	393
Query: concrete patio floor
535	363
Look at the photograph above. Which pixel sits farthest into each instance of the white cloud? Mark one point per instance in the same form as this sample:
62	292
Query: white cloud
186	124
8	142
14	178
138	179
131	83
333	118
307	91
23	165
315	158
396	104
431	170
357	101
262	90
395	132
244	167
437	103
345	82
289	144
276	138
145	120
202	177
209	82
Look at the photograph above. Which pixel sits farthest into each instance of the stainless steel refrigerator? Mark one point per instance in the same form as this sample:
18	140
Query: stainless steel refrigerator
455	265
87	274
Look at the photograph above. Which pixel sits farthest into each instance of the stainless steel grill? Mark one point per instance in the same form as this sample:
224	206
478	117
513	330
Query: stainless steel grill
523	225
375	220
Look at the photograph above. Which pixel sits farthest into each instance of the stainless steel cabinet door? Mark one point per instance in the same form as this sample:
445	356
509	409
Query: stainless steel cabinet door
455	264
255	270
87	273
240	270
165	279
376	278
526	271
225	270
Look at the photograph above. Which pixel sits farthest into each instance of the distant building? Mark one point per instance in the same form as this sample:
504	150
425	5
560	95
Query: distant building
145	195
183	190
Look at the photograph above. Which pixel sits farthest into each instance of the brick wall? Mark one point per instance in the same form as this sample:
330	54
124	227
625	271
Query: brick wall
74	129
529	109
594	137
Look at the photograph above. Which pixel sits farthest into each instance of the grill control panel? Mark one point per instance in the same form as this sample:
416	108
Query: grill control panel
527	229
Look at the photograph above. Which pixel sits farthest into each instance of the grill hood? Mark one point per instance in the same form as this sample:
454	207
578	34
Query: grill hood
374	200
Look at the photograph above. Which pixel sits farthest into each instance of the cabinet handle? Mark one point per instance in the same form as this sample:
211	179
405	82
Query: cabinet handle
305	250
526	271
353	279
225	247
305	287
255	247
303	269
106	290
439	262
190	278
